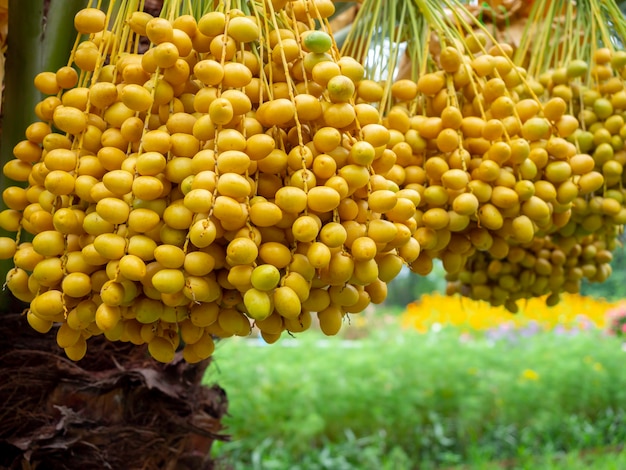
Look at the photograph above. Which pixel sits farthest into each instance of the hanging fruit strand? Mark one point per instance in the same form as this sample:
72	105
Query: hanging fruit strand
224	177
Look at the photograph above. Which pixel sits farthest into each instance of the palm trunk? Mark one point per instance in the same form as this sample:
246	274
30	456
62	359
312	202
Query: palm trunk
116	408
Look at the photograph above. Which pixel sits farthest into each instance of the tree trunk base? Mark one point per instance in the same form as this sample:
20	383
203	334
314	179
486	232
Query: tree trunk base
115	409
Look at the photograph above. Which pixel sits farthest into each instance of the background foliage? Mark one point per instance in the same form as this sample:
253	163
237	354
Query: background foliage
419	401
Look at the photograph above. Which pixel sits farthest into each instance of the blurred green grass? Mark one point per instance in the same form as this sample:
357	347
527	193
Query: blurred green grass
406	400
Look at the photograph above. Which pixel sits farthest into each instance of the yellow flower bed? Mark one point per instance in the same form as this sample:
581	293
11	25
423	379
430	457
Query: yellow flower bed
574	311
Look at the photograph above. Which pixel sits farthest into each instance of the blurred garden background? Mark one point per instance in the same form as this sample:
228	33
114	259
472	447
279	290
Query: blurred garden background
431	381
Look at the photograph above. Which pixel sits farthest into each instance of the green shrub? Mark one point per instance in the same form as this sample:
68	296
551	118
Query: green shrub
425	399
